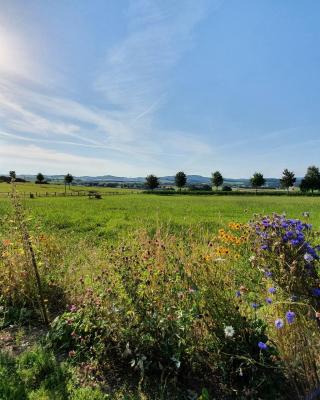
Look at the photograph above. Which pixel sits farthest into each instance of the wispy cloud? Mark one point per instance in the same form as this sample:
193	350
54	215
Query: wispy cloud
134	83
134	74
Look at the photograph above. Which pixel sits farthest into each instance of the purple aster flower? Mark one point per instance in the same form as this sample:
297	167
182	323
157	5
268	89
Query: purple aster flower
262	346
290	315
278	323
272	290
268	274
268	300
316	292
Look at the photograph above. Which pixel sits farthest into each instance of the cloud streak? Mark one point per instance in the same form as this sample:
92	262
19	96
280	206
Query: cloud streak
132	82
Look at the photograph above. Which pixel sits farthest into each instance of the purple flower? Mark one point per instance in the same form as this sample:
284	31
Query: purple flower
289	235
290	315
268	274
264	247
268	300
316	292
255	305
278	323
238	293
272	290
262	346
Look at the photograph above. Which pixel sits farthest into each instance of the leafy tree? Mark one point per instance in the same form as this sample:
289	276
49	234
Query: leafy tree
152	182
12	174
312	179
257	180
303	186
39	178
288	179
217	179
180	179
68	179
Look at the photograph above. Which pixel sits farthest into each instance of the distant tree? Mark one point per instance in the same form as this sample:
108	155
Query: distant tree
312	179
217	179
304	186
68	179
180	180
288	179
40	178
152	182
12	174
257	180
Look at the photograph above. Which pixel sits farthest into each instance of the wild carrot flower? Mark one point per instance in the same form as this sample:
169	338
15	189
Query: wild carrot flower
228	331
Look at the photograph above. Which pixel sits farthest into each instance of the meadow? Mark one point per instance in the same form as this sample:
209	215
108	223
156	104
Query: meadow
159	297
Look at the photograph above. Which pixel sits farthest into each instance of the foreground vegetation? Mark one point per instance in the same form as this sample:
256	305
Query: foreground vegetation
161	298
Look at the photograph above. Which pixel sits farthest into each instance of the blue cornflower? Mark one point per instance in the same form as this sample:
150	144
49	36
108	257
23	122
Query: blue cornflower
272	290
268	274
262	346
316	292
268	300
278	323
290	315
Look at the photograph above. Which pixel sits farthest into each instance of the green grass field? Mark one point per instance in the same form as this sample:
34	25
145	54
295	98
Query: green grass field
142	313
27	188
113	215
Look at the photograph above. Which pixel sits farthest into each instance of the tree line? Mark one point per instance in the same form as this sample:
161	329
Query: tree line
310	182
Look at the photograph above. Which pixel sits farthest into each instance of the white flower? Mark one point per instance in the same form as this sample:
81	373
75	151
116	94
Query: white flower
308	258
228	331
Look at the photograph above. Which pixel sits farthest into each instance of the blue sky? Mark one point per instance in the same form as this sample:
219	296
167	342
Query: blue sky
127	87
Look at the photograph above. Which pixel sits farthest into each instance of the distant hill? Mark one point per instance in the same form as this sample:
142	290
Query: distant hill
165	180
